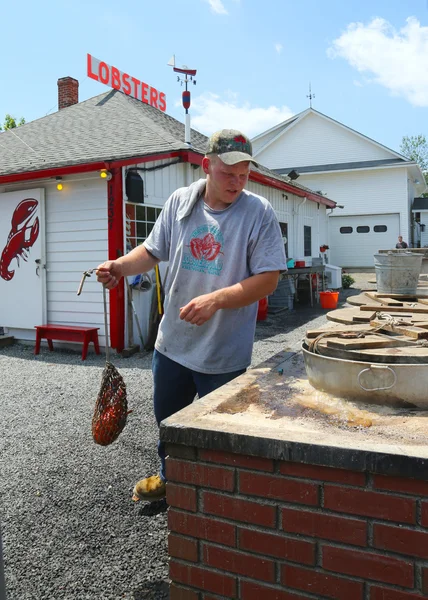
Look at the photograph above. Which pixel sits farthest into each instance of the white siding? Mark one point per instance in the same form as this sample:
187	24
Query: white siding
265	139
159	183
296	213
76	240
317	141
371	192
365	192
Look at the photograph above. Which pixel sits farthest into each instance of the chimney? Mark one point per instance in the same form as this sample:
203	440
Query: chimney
68	92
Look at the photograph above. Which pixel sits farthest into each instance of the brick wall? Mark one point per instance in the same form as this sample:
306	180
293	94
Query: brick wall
256	529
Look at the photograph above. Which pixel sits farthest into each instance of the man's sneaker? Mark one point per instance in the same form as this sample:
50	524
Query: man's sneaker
150	489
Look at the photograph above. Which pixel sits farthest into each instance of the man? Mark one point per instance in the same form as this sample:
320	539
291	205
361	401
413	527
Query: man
225	252
400	243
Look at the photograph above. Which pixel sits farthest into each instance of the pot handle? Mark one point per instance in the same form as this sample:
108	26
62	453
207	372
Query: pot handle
378	388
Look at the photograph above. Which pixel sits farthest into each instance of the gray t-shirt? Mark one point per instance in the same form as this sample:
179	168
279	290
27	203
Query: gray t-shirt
209	250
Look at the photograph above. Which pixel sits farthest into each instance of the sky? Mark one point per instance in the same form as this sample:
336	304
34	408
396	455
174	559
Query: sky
366	60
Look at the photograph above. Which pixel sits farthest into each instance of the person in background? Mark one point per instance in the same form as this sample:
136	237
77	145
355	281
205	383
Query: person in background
225	251
400	243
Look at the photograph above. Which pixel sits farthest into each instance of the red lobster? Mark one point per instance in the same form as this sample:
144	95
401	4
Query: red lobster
21	237
206	247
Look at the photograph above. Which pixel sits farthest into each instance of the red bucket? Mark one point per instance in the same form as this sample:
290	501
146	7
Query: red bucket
329	299
262	310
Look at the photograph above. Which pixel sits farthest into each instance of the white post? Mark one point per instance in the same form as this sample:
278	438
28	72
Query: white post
187	129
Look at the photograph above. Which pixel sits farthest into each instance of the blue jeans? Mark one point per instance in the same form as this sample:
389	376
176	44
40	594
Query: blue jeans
175	387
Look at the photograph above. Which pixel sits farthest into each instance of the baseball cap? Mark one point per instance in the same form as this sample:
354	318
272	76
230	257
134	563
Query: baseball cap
231	146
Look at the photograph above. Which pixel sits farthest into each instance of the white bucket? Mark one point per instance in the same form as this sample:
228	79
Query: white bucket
397	272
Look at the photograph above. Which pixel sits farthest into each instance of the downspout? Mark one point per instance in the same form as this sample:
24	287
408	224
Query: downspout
318	229
299	221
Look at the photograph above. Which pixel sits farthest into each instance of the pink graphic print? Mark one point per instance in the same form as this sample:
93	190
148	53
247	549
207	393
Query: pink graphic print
205	247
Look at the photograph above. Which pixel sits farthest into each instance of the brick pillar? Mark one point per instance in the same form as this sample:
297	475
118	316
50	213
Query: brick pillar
68	92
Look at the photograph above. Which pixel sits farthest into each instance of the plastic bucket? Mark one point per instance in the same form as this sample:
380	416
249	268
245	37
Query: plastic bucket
397	272
262	310
329	299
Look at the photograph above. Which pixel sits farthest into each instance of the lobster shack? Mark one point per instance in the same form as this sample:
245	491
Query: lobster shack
87	183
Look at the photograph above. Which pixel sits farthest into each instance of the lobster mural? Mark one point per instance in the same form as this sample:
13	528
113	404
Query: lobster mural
23	234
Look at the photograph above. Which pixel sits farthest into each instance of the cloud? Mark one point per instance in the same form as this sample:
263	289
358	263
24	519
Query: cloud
210	113
394	59
217	7
278	48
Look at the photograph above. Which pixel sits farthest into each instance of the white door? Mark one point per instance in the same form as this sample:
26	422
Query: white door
22	259
354	240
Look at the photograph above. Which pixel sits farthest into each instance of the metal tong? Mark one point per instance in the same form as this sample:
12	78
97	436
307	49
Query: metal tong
86	274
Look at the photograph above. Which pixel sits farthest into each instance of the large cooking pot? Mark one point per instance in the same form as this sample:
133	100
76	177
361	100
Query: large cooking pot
387	384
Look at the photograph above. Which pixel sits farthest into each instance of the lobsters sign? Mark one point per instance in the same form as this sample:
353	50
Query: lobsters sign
101	71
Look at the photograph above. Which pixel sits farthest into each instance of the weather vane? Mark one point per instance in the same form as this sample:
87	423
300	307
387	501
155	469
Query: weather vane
189	75
310	95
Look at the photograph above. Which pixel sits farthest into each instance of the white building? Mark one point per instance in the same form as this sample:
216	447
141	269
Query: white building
374	185
49	237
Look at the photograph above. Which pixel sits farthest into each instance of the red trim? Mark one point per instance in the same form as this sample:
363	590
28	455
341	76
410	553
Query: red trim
142	159
186	71
192	157
115	249
186	155
84	168
266	180
59	171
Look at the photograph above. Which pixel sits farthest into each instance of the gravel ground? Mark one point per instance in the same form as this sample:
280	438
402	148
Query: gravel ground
70	530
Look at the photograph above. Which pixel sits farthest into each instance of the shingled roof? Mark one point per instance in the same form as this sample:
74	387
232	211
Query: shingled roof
108	127
111	126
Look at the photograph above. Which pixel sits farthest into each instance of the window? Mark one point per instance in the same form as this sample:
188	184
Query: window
284	232
139	223
346	230
307	232
363	229
380	228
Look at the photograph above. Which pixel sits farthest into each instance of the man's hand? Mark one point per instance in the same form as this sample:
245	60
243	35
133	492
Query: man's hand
199	310
109	273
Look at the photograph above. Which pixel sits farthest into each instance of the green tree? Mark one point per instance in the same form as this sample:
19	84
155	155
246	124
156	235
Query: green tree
10	122
415	147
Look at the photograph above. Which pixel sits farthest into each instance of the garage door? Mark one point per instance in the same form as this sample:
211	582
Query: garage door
354	240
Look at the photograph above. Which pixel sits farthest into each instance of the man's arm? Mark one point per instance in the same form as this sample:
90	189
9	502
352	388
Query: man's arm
139	260
199	310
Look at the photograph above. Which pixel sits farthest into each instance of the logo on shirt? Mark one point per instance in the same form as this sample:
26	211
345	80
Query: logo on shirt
204	252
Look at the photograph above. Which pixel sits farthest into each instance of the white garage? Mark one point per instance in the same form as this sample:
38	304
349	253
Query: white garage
356	238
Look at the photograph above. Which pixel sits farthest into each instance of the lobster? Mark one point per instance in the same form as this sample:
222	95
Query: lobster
206	247
22	236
